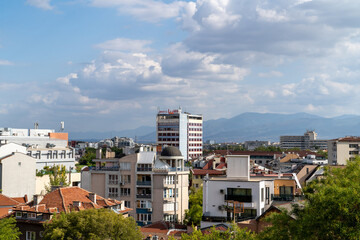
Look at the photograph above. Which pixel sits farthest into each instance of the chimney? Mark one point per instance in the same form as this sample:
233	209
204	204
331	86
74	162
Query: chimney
37	199
92	197
53	188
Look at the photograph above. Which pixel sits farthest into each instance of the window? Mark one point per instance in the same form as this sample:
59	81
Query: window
127	204
30	235
267	193
170	193
353	145
18	214
125	191
170	179
144	204
113	179
125	166
169	218
31	215
262	194
113	192
125	179
239	194
353	152
144	217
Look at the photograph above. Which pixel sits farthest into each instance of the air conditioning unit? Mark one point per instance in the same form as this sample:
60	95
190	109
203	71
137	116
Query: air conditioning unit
222	191
149	209
145	223
221	208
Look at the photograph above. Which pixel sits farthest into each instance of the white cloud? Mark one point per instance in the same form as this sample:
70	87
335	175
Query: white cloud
271	15
43	4
5	63
124	44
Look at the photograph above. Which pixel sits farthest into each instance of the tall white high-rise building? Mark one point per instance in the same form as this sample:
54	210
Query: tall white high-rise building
182	130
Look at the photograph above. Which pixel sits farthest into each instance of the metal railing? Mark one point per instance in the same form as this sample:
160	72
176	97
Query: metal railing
116	168
287	197
147	169
143	195
144	183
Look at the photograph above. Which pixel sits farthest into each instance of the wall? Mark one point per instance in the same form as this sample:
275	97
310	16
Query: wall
18	175
62	136
43	181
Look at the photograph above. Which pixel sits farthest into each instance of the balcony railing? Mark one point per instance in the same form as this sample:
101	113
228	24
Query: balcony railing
287	197
240	218
172	169
238	198
144	183
115	168
113	182
147	169
143	195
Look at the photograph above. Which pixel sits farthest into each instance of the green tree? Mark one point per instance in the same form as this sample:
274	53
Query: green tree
234	233
94	224
194	214
331	211
57	175
8	229
87	158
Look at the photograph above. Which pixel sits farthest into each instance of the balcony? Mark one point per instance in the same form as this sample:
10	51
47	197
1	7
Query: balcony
115	168
287	197
140	169
143	183
171	169
147	196
238	198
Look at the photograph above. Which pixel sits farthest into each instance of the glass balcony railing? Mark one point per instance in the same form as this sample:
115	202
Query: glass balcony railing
239	198
144	183
114	168
287	197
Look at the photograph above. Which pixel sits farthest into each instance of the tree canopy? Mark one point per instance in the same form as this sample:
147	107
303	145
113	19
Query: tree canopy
194	214
8	229
87	158
93	224
57	175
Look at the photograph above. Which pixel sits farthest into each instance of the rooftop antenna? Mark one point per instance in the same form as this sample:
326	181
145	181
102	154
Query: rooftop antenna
62	126
36	125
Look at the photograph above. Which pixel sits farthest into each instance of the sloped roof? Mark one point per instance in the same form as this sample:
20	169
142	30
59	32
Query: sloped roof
203	172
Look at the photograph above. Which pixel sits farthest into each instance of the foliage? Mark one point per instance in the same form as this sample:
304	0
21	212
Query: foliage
194	214
57	175
87	158
93	224
118	152
330	212
8	229
268	149
234	233
323	153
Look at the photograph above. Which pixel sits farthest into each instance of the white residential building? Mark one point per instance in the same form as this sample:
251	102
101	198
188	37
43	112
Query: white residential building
307	141
342	149
45	145
182	130
251	196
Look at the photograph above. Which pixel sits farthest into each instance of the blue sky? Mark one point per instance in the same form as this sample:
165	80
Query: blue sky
110	64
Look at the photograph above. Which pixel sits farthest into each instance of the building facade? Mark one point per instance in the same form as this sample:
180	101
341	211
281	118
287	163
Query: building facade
45	145
250	197
155	186
342	149
182	130
307	141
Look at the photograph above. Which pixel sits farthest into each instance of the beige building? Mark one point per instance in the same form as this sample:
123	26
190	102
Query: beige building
155	187
342	149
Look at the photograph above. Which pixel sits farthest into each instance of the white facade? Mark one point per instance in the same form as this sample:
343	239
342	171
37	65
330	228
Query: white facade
218	192
40	144
182	130
343	149
17	175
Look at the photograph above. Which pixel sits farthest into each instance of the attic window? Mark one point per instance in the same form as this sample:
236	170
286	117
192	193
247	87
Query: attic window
18	214
19	163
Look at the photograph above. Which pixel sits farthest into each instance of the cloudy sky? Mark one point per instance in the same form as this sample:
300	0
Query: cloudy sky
110	64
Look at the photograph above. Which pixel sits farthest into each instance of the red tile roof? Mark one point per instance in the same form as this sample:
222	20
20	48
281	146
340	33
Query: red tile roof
348	139
203	172
221	165
7	201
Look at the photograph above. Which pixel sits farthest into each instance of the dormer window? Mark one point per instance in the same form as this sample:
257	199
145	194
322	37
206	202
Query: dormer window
18	214
31	215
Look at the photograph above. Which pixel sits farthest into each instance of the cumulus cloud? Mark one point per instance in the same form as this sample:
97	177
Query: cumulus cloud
124	44
43	4
5	63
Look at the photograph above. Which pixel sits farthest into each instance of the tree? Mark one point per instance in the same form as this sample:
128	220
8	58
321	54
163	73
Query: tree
93	224
194	214
57	175
8	229
87	158
331	211
234	233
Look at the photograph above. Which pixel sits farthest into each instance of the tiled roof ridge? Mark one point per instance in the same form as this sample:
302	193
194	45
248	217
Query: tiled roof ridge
62	200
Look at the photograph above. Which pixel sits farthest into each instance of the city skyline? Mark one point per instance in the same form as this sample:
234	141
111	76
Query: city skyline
109	64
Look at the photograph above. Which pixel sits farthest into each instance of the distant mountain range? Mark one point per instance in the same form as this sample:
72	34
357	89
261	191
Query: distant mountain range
251	126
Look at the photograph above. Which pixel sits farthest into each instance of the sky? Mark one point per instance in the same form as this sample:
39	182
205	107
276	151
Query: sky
105	65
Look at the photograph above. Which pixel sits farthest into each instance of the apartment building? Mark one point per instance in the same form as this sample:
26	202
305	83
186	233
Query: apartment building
45	145
182	130
235	197
154	185
307	141
342	149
